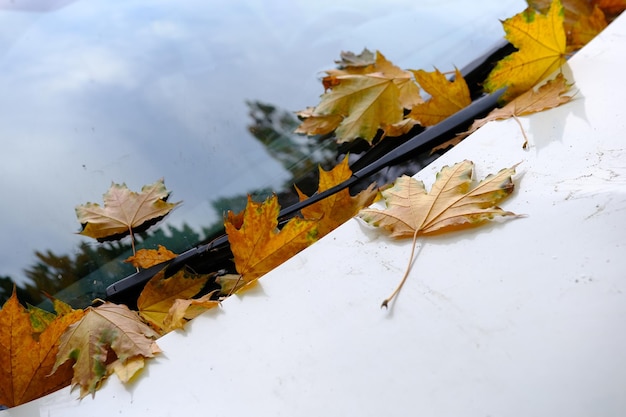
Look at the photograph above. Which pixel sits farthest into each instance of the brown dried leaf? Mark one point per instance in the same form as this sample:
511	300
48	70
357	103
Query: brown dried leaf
547	96
452	202
124	211
109	338
183	310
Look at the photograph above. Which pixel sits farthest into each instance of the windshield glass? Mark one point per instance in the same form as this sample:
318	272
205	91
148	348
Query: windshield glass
199	93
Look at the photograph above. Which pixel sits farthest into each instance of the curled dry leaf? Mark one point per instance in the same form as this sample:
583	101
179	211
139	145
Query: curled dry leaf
109	338
350	59
124	211
183	310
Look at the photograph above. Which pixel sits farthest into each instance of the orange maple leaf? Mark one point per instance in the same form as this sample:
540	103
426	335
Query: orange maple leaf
27	357
335	210
145	258
257	244
585	28
612	8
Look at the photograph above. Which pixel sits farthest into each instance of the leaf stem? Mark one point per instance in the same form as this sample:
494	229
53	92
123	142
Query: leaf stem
525	145
395	292
132	243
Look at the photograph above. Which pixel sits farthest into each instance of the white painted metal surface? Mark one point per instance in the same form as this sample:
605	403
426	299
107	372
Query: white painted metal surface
523	318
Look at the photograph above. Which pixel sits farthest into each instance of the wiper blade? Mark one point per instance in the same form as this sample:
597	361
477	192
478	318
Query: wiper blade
424	139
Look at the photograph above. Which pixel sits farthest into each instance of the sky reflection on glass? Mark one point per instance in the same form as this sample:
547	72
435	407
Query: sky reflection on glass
133	91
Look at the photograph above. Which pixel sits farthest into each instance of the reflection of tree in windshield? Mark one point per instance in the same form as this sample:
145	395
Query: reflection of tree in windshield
299	154
52	273
80	277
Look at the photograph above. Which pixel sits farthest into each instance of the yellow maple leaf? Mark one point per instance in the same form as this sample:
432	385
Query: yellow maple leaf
447	97
542	45
27	356
453	202
361	101
257	244
583	20
340	207
161	293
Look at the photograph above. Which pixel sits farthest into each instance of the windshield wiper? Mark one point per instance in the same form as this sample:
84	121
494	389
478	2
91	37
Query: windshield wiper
429	137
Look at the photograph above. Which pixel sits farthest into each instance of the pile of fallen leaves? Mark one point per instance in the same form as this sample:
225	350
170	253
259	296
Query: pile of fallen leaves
366	96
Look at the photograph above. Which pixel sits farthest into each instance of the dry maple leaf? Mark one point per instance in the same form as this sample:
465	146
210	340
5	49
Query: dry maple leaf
335	210
542	46
183	310
612	8
585	28
452	203
350	59
549	95
257	244
27	356
109	338
159	294
145	258
124	211
447	97
361	100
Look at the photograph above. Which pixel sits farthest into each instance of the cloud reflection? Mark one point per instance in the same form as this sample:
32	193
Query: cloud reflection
95	92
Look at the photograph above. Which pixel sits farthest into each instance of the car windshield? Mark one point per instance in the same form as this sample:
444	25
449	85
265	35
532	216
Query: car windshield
199	93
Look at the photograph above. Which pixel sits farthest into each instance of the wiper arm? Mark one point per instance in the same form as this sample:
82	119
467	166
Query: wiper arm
424	139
